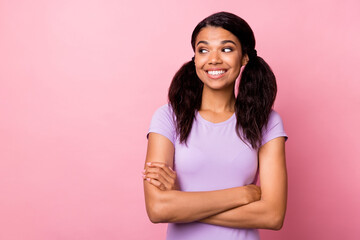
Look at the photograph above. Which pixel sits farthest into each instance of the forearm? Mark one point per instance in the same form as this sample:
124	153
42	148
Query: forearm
259	214
269	211
178	206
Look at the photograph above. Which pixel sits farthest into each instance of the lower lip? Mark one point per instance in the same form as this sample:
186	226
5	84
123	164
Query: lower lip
215	76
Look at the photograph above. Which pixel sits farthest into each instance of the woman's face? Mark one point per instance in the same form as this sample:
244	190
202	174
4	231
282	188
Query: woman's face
218	58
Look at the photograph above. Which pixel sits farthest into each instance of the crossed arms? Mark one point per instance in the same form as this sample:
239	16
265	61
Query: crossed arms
239	207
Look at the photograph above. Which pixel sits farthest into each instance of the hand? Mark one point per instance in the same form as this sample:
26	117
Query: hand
160	175
253	193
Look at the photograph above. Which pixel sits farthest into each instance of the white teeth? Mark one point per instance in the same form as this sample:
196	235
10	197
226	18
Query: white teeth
218	72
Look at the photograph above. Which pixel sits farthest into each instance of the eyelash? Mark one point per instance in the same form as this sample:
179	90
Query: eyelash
224	50
228	48
201	50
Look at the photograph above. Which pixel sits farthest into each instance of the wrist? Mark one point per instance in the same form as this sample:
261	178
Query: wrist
244	196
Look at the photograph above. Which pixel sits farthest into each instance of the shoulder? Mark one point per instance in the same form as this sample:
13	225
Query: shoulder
164	112
274	128
165	109
274	119
163	122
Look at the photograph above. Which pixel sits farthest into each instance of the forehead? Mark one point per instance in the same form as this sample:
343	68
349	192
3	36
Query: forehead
215	35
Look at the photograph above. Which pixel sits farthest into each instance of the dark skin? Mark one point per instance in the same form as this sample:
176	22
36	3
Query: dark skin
161	176
218	62
164	178
218	49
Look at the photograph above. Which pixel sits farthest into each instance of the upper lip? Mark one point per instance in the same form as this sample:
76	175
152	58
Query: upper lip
215	69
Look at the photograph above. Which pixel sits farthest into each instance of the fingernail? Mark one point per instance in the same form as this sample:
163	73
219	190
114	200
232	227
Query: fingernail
143	176
148	179
149	163
171	169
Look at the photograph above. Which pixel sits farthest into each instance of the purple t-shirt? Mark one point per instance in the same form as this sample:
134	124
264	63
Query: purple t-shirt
215	158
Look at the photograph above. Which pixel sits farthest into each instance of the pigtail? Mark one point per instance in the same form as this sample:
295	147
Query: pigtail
256	92
185	94
255	99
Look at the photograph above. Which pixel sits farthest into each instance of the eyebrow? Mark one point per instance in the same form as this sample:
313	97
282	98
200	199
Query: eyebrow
228	41
222	42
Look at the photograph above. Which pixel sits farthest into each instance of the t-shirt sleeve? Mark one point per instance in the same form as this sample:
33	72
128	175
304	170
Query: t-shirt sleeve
162	122
274	129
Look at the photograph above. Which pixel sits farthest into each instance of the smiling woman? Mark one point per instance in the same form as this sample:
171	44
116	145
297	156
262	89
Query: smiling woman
207	146
218	59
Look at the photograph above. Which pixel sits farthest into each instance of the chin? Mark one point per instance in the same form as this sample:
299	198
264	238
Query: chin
217	87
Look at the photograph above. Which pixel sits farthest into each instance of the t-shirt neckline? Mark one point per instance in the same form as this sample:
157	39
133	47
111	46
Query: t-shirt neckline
203	120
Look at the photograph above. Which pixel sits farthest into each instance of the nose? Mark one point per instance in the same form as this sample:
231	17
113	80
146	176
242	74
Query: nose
215	58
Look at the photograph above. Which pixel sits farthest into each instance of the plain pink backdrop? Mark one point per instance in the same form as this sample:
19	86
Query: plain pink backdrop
80	80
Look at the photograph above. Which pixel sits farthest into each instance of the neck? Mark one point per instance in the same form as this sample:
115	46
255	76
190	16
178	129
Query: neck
218	100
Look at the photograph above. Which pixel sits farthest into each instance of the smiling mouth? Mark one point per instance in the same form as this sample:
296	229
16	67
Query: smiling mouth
216	73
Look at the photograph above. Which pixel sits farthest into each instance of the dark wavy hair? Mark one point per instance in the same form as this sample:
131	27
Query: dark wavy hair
256	93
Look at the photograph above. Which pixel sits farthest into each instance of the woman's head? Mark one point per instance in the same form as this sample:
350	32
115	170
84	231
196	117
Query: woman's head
218	58
257	88
232	23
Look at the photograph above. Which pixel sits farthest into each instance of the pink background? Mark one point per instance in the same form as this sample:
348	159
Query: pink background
80	80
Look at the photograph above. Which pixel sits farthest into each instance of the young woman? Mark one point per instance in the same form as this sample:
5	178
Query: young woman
217	143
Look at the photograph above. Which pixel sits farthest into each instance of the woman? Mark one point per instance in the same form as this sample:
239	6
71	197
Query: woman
218	143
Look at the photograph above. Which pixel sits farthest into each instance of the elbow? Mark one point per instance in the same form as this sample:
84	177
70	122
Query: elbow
275	222
277	225
156	202
156	213
162	213
159	210
154	217
274	216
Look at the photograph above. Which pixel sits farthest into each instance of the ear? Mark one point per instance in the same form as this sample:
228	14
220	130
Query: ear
244	60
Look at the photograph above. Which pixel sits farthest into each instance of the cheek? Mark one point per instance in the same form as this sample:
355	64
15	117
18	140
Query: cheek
234	60
199	73
200	60
199	65
235	63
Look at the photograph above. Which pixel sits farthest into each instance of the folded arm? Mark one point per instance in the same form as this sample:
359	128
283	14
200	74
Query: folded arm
178	206
269	211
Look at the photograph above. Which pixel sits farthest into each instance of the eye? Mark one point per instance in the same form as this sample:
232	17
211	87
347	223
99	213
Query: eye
228	49
202	50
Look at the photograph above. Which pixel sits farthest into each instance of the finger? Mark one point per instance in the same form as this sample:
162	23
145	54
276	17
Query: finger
164	166
162	173
167	181
156	183
161	169
160	179
166	172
